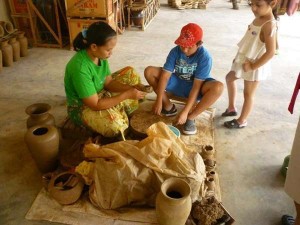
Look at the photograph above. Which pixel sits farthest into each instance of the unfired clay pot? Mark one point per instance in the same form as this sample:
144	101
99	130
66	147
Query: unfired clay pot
39	115
173	203
16	48
66	187
43	143
207	152
7	53
210	183
23	43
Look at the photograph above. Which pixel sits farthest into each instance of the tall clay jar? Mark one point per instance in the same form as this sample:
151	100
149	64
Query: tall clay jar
16	48
39	115
7	53
173	203
23	43
43	143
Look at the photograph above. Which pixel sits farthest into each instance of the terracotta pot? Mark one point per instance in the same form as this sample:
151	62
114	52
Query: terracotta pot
39	115
16	48
9	27
173	203
7	53
23	43
207	152
210	183
43	143
66	187
137	18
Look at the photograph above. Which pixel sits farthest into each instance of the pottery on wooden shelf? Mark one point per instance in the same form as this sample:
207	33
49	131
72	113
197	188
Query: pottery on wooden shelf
23	43
16	48
173	203
43	144
39	115
66	187
207	152
7	53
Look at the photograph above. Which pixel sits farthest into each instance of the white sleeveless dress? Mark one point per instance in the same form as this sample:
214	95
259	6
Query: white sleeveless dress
251	48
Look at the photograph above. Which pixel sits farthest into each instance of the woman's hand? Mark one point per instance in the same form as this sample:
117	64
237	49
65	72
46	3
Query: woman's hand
247	66
133	93
181	119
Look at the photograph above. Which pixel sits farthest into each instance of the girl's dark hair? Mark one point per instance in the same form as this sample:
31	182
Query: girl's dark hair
97	33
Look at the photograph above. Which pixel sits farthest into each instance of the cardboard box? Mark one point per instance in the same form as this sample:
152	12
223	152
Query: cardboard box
76	25
89	8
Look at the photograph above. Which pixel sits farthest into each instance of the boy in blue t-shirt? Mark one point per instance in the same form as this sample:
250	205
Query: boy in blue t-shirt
186	73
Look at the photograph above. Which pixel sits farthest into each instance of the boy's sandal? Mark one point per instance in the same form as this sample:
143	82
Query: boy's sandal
229	113
171	112
234	124
287	220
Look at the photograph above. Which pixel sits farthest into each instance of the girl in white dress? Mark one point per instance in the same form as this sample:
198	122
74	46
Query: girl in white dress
251	63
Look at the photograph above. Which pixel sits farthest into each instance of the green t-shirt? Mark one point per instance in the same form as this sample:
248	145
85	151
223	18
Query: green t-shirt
83	78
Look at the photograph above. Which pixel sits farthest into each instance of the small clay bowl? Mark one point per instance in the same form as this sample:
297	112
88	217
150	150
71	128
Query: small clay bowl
66	187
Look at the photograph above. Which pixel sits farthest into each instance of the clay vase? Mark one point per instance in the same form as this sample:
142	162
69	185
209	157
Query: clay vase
23	43
39	115
210	183
16	48
173	203
7	53
207	152
66	187
43	143
211	174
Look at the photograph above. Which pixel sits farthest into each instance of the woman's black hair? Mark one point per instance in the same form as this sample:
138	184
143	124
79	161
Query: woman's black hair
97	33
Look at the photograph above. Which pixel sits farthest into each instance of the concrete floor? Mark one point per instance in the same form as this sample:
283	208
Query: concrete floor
249	160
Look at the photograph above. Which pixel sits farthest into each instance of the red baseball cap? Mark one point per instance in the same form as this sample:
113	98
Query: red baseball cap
190	34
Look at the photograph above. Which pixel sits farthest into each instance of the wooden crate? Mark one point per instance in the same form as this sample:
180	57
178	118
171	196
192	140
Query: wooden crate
76	25
89	8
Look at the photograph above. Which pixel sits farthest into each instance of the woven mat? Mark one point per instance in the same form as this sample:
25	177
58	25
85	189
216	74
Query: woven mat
84	213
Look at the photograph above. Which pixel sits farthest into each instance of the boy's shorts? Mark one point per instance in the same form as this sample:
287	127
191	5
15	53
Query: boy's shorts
182	88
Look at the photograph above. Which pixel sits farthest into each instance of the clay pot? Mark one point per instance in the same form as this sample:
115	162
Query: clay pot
43	143
16	48
7	53
210	164
66	187
207	152
9	27
39	115
23	43
137	18
173	203
211	174
210	183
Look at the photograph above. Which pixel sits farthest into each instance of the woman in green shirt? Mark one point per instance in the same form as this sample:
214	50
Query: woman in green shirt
95	97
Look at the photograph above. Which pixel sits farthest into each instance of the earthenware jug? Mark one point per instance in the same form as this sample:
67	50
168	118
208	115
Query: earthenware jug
23	43
173	203
66	187
43	144
16	48
7	53
39	115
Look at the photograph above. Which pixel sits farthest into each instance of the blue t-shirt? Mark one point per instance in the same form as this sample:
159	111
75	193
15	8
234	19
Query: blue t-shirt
197	66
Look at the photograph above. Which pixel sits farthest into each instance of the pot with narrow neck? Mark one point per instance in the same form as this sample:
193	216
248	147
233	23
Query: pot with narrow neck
39	115
173	203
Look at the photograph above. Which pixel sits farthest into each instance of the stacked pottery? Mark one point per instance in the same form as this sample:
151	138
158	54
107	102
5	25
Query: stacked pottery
16	48
23	43
43	144
39	115
173	203
7	53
